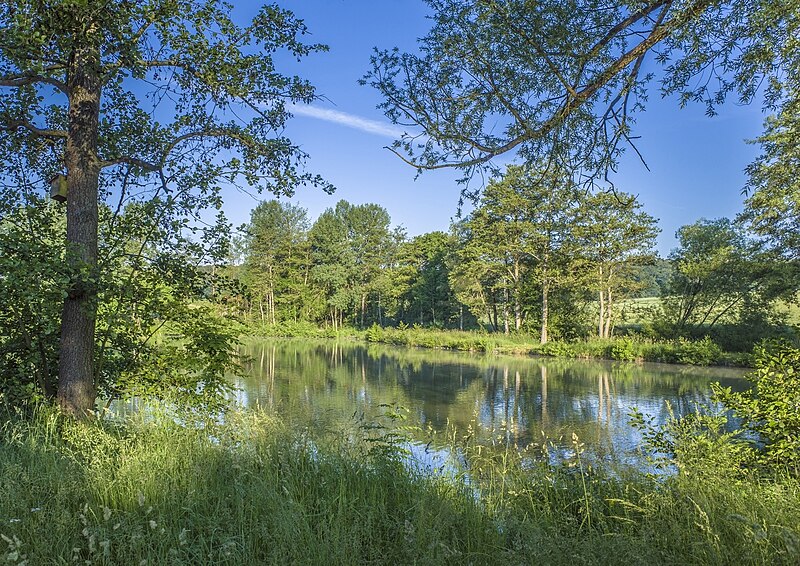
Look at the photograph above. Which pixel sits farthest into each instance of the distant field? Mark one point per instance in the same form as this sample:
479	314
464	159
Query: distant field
638	311
792	311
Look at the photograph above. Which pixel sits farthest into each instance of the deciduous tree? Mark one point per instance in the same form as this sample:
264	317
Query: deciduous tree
563	81
616	235
162	101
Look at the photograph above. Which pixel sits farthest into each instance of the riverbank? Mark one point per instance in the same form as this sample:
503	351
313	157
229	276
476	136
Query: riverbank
254	491
682	351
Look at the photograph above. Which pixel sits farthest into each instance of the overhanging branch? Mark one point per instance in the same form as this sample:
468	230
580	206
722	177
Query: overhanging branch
29	78
15	124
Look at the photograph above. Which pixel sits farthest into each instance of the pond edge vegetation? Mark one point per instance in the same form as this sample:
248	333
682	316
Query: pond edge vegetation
633	348
169	486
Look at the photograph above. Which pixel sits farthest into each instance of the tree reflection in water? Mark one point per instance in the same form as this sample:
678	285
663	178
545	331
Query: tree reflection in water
518	400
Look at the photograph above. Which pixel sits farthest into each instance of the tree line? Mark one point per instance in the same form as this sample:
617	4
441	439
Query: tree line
538	254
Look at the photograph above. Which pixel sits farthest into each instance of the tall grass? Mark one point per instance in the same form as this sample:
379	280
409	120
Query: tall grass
250	491
695	352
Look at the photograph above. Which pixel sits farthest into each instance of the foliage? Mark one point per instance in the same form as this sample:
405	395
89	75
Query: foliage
700	442
756	434
565	81
112	492
517	248
300	329
720	277
697	352
772	207
440	339
558	349
32	277
277	261
148	109
189	363
351	248
651	279
622	350
768	412
422	283
616	236
156	332
631	348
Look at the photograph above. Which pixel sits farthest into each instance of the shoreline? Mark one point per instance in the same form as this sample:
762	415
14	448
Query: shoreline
701	353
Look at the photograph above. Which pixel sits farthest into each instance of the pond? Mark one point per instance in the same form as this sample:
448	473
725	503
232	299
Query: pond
519	400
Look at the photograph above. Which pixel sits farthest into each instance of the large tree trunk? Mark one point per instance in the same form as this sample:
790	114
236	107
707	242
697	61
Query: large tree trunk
76	386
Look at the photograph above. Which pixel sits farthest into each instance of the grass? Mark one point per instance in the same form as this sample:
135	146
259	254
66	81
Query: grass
252	491
625	348
695	352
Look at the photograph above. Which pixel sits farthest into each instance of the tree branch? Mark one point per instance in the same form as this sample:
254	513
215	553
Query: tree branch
29	78
576	100
147	166
10	125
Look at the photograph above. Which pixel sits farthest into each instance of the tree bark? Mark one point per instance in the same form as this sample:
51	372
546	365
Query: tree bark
517	301
506	326
545	311
76	388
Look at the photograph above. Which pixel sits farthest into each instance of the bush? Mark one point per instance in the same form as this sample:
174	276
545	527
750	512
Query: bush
770	410
557	349
623	350
698	352
374	334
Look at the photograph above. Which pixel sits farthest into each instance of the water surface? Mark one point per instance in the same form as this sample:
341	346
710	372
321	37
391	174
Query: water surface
523	399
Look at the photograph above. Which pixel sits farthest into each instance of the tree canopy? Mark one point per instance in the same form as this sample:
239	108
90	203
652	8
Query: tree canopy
160	103
563	81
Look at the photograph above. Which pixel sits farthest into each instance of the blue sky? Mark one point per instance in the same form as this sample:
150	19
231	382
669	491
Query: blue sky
696	163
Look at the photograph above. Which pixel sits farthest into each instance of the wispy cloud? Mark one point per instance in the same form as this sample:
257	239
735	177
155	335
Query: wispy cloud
349	120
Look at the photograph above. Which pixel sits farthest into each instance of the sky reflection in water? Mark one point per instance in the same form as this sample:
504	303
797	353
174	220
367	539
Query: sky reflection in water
506	400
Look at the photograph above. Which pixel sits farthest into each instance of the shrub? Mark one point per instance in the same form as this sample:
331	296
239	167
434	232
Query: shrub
374	334
623	350
698	352
770	410
557	349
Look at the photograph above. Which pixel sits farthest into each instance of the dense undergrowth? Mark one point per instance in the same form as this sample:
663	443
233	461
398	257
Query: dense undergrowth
629	348
702	351
159	490
699	352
